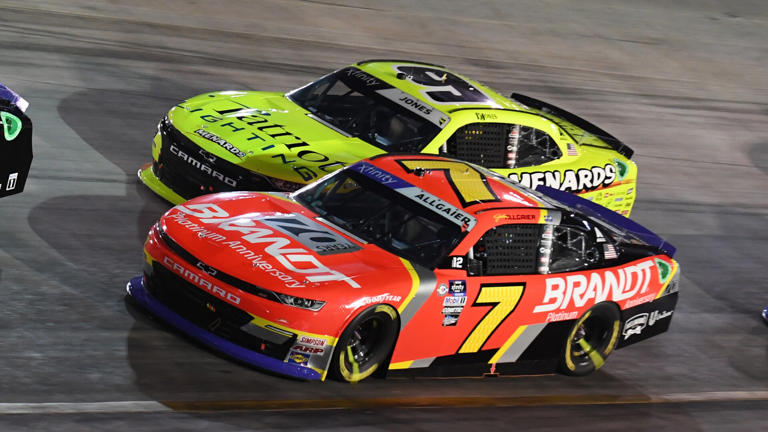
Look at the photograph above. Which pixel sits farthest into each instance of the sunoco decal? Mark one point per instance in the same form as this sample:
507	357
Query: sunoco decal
422	197
568	180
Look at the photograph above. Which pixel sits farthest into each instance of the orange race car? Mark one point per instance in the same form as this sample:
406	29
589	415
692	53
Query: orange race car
415	265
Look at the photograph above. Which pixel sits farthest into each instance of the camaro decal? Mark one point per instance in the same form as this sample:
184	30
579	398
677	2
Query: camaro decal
569	180
179	153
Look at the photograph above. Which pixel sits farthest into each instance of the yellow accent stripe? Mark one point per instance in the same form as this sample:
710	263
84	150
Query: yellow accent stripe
507	344
261	322
415	282
675	266
595	356
401	365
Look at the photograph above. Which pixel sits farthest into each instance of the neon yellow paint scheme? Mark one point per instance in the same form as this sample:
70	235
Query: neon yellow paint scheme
269	136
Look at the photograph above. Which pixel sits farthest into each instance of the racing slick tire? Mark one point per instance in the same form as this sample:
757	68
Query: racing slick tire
366	343
591	340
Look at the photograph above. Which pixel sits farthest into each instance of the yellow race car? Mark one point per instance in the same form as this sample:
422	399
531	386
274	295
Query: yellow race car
256	140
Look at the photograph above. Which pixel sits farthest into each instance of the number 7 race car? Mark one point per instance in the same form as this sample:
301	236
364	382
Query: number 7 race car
266	141
414	265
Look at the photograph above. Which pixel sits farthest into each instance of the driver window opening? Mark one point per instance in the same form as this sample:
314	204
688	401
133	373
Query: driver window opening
502	145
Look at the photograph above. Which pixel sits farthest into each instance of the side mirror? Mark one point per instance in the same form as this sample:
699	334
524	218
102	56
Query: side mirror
474	267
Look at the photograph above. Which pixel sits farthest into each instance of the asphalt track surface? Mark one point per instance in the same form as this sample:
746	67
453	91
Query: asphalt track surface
684	83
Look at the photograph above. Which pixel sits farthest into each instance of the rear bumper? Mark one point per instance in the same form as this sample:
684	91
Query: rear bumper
138	292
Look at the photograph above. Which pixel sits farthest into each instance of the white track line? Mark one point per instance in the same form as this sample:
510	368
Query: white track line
128	407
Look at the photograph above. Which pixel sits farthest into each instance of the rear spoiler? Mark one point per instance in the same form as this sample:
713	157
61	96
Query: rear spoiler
610	217
588	127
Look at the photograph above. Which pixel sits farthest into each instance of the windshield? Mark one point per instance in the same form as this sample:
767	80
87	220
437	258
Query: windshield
383	217
360	105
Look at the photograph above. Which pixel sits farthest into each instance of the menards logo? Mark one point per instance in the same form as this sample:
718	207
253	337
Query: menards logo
297	260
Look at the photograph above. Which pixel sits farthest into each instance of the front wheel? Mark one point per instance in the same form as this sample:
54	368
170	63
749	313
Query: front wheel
365	344
591	339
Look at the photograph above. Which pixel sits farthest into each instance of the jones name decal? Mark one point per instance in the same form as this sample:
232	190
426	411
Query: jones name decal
569	180
579	289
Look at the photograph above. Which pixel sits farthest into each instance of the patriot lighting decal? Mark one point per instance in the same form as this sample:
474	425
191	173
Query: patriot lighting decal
422	197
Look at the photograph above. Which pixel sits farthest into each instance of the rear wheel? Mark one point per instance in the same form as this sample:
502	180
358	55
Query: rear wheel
591	340
365	344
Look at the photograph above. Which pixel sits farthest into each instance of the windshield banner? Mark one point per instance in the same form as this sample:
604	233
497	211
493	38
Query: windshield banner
426	199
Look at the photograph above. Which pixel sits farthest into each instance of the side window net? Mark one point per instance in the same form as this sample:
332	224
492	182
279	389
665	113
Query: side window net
535	147
572	250
509	249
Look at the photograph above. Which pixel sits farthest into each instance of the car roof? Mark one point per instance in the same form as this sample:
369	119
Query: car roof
470	187
386	71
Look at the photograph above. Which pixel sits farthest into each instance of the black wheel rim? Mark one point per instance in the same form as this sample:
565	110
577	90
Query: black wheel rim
592	336
363	341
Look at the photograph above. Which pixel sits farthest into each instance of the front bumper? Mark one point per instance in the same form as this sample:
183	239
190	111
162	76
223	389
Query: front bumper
138	292
148	177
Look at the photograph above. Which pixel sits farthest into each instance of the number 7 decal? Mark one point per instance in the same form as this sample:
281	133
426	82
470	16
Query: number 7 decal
504	299
469	184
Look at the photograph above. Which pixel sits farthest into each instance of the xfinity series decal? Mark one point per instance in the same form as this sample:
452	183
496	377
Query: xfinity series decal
221	142
569	180
577	290
422	197
298	260
454	302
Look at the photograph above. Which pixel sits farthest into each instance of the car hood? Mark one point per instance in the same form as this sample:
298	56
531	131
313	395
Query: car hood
267	133
272	242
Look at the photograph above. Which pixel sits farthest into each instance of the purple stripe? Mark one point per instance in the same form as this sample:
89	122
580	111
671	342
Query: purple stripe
601	213
139	293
